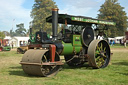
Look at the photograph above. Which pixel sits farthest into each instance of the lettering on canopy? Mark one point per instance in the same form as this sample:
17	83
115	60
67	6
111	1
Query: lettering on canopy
92	21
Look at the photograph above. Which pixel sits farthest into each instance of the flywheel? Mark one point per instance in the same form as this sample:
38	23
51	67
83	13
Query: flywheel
87	36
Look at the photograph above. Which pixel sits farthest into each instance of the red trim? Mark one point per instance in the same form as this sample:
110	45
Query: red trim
1	48
35	45
52	49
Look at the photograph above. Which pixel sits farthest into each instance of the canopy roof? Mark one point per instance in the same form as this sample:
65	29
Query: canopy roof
78	20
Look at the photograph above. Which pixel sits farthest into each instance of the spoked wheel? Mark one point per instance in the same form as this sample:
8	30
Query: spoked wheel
99	54
33	63
50	70
74	60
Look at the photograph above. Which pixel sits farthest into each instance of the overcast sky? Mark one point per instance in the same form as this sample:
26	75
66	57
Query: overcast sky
14	12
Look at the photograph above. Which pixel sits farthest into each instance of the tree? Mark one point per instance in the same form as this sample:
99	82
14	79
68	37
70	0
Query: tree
12	33
6	33
20	31
27	32
111	10
2	35
41	10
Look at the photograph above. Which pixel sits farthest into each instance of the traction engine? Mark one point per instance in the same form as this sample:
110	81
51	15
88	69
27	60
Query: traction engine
76	42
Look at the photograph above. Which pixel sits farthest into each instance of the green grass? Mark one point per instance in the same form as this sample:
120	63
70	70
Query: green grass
118	46
116	73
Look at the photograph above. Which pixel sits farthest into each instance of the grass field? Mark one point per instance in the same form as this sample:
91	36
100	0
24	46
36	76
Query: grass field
116	73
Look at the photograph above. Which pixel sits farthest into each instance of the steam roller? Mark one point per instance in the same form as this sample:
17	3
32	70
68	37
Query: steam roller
77	41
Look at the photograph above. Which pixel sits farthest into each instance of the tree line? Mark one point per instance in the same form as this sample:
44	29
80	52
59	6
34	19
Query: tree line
112	10
20	31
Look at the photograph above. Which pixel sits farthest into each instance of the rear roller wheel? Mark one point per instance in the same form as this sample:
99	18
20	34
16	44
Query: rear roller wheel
99	54
32	63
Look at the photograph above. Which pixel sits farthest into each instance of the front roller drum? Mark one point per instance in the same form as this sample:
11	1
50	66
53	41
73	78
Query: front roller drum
99	54
37	63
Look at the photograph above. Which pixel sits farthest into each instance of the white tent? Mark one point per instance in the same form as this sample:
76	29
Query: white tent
117	39
17	41
7	37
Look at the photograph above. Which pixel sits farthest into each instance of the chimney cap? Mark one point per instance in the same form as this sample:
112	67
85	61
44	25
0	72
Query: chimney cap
55	9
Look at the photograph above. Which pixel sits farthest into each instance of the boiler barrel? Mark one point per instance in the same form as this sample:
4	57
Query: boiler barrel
69	49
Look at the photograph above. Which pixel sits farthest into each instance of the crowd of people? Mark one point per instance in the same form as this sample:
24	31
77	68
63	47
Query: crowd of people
121	41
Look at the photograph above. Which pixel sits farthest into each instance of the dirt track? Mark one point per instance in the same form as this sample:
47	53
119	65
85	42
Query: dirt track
119	49
14	49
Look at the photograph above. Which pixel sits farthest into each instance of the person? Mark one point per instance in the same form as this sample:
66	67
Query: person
21	43
8	44
12	44
112	42
100	36
120	42
124	42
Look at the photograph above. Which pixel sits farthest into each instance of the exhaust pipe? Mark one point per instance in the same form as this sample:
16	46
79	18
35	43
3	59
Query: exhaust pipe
30	31
54	22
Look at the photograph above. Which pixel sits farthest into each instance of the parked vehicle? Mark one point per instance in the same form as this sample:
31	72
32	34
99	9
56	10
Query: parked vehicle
77	45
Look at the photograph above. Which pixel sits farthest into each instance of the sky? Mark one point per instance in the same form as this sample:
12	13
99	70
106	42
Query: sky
13	12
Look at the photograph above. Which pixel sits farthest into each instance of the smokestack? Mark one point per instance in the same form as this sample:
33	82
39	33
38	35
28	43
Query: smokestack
30	31
54	22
